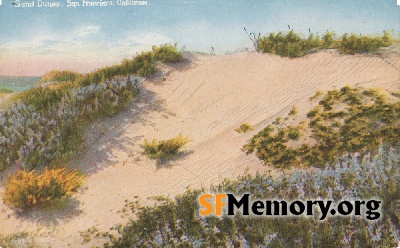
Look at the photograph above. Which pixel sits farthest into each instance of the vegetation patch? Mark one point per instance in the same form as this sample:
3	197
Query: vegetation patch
56	76
292	44
345	122
17	240
25	190
177	223
5	91
45	125
167	53
294	111
244	128
164	149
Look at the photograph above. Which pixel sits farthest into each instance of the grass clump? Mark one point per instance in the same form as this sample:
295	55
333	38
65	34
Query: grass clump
4	92
164	149
58	76
244	128
167	53
17	240
316	95
345	122
25	190
293	45
294	111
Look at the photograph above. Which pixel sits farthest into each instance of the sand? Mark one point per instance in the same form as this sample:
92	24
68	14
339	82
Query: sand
205	99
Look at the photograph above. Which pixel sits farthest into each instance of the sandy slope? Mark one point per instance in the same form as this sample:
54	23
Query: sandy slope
204	100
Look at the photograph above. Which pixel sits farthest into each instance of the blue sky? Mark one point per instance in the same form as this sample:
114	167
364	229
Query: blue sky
36	40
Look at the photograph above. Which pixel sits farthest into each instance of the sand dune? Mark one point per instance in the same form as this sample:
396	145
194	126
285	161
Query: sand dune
206	100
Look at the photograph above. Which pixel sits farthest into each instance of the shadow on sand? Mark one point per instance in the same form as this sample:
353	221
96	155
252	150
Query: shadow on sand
51	216
107	134
169	163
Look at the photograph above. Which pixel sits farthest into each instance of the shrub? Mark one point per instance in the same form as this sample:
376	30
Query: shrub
164	149
292	44
349	121
294	111
28	189
316	95
244	128
288	45
167	53
363	43
294	133
59	76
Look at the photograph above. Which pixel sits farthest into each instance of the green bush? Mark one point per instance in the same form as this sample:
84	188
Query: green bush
42	99
287	45
59	76
316	95
363	43
141	65
294	111
292	44
345	122
167	53
244	128
164	149
27	189
294	133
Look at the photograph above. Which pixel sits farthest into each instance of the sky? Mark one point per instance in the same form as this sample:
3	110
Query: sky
36	40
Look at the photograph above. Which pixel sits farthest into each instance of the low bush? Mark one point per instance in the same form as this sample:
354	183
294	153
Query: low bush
294	111
244	128
25	190
345	122
141	65
167	53
353	43
164	149
316	95
58	76
292	44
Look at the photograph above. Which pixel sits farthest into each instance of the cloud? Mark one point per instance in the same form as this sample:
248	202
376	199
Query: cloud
149	39
85	31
